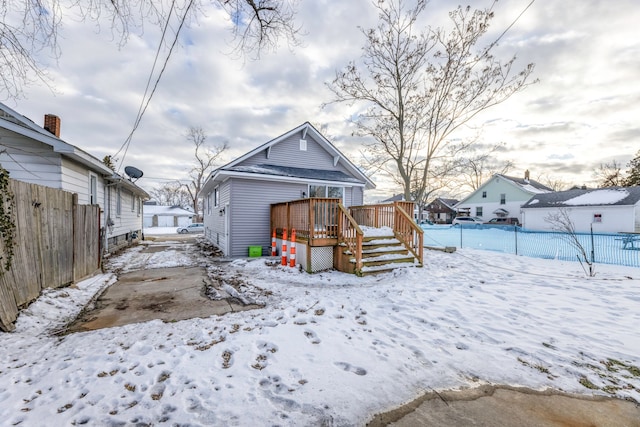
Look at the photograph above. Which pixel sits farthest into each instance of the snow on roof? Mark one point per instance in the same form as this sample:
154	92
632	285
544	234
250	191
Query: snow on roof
622	196
599	197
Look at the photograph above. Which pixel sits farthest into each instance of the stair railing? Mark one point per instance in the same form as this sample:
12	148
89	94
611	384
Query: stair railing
407	231
350	233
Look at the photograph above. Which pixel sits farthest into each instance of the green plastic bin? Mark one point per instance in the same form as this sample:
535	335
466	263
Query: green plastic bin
255	251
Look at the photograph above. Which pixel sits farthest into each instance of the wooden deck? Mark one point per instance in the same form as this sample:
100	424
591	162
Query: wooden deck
321	222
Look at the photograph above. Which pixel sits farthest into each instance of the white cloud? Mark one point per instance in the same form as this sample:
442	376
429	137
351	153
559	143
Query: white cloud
585	105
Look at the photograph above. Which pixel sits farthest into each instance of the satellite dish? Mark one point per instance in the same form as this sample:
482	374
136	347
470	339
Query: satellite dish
132	172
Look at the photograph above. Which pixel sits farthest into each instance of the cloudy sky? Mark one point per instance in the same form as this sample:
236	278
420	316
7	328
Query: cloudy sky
584	111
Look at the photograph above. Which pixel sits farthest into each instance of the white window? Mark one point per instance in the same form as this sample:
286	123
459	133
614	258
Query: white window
597	217
325	191
133	202
216	200
118	202
93	189
139	206
303	145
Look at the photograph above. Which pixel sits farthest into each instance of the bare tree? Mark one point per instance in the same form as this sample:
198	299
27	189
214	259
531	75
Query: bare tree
609	175
633	175
561	221
205	160
477	165
172	194
554	183
419	87
30	27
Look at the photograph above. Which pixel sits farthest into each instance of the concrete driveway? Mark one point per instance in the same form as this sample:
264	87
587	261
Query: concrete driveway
490	406
169	294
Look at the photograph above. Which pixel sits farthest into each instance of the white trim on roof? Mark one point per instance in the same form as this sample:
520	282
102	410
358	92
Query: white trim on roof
306	127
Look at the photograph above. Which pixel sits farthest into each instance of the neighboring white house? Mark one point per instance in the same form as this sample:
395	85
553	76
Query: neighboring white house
37	155
614	209
166	216
500	197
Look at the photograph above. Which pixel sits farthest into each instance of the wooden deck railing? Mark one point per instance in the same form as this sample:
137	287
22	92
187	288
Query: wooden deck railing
313	219
350	233
397	216
325	221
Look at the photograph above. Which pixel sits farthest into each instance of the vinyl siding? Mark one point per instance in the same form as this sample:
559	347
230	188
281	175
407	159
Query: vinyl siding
75	179
127	221
250	211
615	219
29	161
288	153
515	198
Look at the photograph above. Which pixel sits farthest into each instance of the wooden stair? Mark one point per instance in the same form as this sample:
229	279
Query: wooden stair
384	253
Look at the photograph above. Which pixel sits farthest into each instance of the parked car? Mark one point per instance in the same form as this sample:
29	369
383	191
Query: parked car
503	221
466	220
196	227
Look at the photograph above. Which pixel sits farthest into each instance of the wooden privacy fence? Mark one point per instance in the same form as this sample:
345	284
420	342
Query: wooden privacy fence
57	242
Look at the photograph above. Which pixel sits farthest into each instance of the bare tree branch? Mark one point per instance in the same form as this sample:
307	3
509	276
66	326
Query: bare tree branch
28	28
418	87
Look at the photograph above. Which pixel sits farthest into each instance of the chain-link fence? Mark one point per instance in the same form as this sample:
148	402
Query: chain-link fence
619	249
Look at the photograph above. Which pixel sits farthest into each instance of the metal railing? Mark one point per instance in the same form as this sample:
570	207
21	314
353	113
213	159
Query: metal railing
609	248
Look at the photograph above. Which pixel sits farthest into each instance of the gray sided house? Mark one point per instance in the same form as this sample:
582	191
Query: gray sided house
38	155
606	210
296	165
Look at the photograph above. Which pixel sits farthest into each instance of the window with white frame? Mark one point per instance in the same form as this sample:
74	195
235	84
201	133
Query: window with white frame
133	203
93	189
208	204
139	206
479	211
118	202
216	197
597	217
326	191
503	198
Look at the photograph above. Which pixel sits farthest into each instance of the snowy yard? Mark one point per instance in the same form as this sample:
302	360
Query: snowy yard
329	348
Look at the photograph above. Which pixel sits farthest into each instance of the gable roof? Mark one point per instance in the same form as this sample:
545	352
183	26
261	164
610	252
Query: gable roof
151	210
529	186
319	174
16	122
394	198
234	168
449	203
611	196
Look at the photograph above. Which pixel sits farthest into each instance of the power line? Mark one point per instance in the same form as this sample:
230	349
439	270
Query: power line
144	105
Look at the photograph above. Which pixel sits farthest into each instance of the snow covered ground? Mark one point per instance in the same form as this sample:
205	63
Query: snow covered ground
329	348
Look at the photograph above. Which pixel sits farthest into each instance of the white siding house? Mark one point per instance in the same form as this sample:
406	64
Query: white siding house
606	210
166	216
500	197
37	155
298	164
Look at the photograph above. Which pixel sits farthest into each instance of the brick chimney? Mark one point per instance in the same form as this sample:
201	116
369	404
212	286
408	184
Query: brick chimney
52	124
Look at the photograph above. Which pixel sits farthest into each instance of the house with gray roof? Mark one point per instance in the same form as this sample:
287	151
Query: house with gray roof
38	155
606	210
298	164
500	197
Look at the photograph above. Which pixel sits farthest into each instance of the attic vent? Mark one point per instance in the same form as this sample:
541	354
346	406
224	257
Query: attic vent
303	145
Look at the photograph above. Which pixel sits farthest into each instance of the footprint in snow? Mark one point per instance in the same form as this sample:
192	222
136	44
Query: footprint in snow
350	368
312	337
